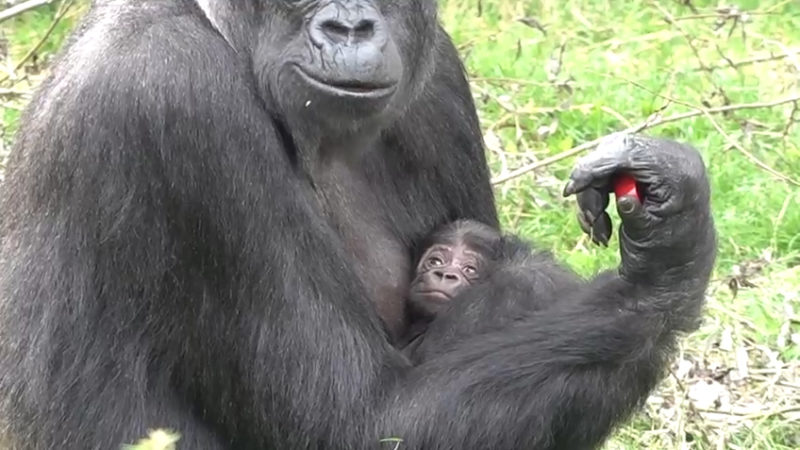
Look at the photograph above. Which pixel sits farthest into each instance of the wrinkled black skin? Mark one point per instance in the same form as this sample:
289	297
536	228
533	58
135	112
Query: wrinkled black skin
179	232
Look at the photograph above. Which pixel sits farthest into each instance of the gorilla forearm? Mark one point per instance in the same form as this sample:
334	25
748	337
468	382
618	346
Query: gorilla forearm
588	361
593	356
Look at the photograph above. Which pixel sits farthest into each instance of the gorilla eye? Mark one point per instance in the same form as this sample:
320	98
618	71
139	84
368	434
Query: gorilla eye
470	270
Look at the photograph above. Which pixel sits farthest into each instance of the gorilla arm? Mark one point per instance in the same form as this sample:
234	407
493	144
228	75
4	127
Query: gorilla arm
565	376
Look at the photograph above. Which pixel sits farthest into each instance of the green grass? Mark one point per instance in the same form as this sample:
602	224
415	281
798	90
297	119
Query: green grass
736	382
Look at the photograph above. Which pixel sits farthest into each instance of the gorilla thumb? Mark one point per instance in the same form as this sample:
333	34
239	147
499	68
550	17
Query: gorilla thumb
627	205
632	212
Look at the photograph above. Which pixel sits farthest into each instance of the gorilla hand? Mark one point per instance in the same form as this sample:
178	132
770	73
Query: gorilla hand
671	227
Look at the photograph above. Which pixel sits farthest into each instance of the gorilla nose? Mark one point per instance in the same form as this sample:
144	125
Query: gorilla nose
339	32
335	25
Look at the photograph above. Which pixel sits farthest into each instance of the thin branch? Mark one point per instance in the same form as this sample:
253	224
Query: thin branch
670	19
750	61
651	122
21	8
752	415
63	9
13	92
747	154
726	15
794	117
724	134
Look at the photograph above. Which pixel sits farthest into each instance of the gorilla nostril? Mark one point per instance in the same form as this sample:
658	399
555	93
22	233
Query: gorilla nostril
335	31
364	30
339	32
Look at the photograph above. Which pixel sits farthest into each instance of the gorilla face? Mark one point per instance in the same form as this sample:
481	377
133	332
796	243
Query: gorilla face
343	64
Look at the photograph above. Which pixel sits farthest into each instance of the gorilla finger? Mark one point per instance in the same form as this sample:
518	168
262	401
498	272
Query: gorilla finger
593	202
601	229
611	155
584	222
584	177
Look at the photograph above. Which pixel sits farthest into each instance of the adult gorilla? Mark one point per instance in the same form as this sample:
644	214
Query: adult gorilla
207	225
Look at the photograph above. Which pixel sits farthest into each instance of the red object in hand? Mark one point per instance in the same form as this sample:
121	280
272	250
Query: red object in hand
625	185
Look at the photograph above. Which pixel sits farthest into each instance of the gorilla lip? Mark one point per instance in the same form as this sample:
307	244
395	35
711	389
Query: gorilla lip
436	294
349	88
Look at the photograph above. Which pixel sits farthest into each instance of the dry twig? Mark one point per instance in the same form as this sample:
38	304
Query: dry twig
62	11
650	122
21	8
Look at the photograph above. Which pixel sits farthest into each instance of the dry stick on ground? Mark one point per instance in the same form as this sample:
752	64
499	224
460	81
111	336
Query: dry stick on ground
13	92
21	8
651	122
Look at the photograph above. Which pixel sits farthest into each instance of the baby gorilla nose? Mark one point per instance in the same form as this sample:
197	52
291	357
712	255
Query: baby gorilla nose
449	278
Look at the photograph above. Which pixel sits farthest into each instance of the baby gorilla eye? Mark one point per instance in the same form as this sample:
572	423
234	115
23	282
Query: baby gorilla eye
435	261
470	270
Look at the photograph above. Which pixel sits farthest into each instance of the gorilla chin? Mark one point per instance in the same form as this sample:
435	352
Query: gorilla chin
340	103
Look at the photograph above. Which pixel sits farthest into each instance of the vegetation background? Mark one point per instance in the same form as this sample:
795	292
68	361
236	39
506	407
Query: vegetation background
549	76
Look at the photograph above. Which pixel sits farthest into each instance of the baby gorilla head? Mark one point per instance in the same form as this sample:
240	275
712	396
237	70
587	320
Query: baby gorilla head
455	257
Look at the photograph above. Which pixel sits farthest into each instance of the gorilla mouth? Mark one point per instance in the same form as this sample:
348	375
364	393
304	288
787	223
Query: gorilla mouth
436	295
359	89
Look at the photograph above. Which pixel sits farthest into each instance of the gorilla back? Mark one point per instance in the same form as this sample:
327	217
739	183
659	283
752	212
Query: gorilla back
207	220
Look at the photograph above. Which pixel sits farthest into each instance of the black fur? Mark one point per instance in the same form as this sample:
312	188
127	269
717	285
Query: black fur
181	233
515	282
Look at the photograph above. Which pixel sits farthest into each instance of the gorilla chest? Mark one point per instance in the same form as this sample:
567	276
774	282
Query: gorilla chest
380	258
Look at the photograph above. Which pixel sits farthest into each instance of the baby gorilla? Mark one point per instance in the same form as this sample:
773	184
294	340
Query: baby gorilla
456	256
463	280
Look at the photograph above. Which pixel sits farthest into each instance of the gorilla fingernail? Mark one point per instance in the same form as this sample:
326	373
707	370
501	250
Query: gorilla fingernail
627	204
569	189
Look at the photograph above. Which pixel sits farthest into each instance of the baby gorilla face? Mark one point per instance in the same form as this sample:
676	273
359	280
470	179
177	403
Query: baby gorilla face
444	271
456	256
